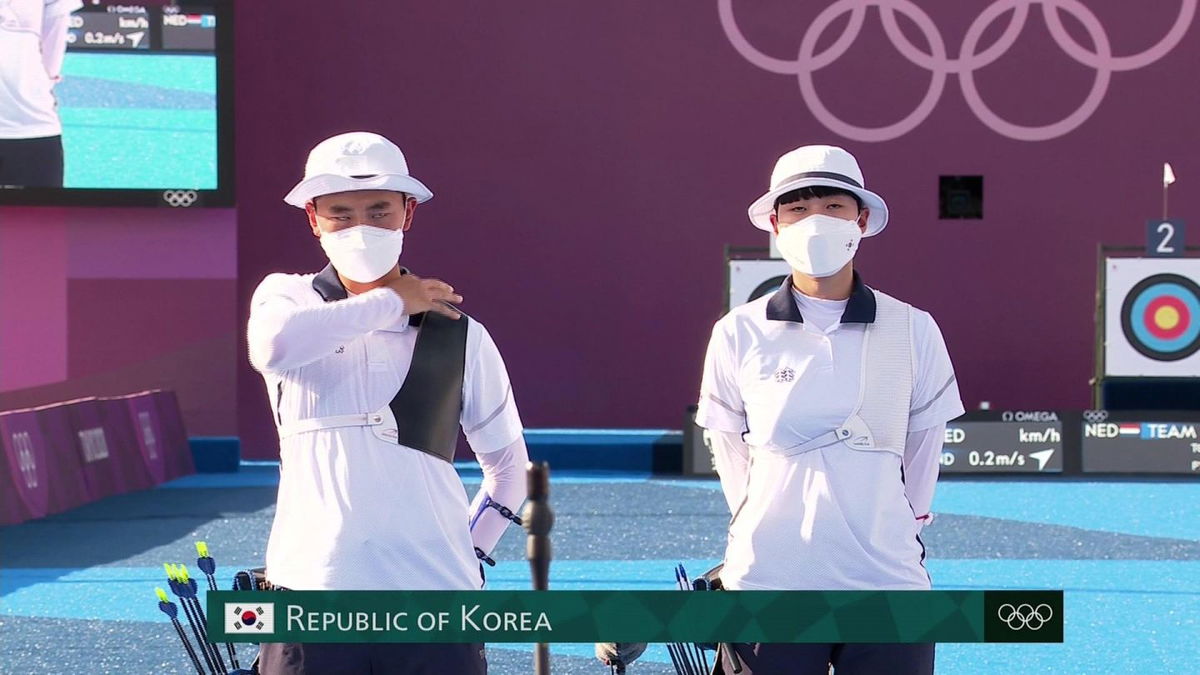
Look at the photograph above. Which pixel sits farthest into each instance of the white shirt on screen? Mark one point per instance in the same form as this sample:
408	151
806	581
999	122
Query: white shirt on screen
356	512
33	42
834	518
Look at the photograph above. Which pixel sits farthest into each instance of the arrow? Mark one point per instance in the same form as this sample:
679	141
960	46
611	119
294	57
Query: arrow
167	607
175	580
209	566
1042	457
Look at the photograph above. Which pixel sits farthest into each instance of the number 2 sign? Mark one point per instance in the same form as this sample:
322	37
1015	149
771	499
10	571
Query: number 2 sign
1164	238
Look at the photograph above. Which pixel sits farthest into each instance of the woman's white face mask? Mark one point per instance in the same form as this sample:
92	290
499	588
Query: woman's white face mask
819	245
363	253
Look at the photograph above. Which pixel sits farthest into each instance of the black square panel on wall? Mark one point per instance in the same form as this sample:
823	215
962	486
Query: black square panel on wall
960	197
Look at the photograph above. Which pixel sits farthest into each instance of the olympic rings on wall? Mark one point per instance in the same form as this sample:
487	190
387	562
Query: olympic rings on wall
941	65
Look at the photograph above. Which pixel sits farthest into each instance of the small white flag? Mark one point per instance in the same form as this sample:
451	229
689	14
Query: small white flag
250	618
1168	174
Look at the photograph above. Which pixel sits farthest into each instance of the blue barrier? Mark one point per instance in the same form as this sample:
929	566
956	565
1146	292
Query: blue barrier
638	450
216	454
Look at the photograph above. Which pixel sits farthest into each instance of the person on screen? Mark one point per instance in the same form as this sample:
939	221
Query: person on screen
33	43
826	405
370	374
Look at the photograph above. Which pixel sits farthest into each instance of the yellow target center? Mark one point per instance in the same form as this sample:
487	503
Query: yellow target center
1166	317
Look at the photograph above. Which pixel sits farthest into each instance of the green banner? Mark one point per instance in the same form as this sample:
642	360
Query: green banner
635	616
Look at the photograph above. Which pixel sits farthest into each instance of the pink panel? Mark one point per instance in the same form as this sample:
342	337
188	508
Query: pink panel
149	433
104	440
68	487
26	471
136	472
33	294
179	458
61	456
122	322
152	244
12	508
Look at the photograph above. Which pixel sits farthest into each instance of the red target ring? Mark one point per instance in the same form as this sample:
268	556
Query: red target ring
1166	317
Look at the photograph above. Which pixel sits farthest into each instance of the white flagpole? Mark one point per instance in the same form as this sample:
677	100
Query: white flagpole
1168	178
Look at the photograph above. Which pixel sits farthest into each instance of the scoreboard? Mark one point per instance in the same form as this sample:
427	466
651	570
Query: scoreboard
1004	442
143	27
1045	442
1141	442
1073	442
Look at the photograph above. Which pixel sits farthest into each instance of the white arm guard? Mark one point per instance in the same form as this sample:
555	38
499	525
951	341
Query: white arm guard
500	497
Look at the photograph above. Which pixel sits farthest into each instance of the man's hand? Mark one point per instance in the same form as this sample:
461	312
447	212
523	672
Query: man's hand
425	295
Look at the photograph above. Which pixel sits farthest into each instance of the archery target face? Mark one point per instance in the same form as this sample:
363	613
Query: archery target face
1161	317
751	279
1156	304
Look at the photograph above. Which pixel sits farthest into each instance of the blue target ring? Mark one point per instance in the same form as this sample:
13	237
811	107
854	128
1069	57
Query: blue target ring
1160	317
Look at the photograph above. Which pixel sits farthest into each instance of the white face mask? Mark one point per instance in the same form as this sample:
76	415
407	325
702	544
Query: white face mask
363	253
819	245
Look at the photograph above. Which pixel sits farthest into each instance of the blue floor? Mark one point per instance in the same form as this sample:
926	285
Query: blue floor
1127	554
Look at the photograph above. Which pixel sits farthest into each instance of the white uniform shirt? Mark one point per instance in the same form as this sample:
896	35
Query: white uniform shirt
833	518
355	512
32	43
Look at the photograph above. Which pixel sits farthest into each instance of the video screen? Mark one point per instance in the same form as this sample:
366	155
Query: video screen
111	96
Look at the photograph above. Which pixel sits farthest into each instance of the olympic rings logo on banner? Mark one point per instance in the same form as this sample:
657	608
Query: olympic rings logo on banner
148	438
1095	416
1025	616
940	64
25	458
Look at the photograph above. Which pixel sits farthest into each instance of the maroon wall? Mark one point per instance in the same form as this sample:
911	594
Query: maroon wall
590	161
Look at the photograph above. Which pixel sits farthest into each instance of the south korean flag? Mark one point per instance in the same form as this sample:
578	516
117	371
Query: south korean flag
258	618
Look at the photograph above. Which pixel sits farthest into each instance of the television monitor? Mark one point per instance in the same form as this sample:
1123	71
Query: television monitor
145	102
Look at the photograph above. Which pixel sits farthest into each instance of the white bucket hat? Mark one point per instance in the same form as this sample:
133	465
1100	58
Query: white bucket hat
818	165
358	160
